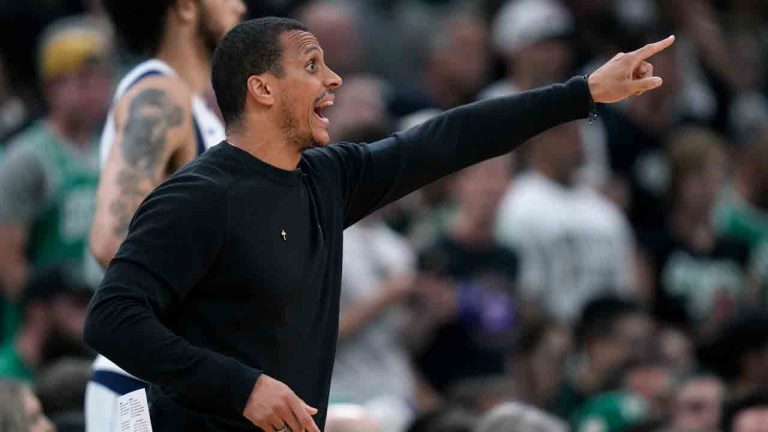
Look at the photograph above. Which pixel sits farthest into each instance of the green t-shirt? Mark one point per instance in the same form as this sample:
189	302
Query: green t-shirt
741	221
609	412
48	185
12	365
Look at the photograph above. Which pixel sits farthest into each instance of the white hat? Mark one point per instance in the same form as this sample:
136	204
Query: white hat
523	22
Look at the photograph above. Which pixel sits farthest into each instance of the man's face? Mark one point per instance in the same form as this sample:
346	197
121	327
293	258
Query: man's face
83	96
697	405
217	17
304	90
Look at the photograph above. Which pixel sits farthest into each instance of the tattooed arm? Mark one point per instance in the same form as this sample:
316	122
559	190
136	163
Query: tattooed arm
154	137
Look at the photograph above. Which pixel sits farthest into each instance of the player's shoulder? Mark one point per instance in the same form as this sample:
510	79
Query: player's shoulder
160	90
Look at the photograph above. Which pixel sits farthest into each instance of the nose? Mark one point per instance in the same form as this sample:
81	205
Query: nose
240	8
333	80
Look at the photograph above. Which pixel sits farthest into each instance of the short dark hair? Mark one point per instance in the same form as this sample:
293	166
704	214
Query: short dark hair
139	24
253	47
601	314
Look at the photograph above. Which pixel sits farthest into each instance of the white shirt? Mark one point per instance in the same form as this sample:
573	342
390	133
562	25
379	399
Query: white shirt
573	243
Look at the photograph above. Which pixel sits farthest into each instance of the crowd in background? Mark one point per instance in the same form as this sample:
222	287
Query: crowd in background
610	275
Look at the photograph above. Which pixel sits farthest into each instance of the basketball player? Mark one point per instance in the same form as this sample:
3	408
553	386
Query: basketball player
157	123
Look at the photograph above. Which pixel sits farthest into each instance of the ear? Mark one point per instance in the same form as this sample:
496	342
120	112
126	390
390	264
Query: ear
185	10
261	88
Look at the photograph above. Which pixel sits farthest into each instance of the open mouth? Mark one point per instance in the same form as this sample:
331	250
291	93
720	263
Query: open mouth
321	105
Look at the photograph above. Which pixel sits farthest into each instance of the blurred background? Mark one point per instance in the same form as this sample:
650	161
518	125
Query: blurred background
607	276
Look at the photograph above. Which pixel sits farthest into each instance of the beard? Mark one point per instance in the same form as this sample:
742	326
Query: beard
292	131
205	30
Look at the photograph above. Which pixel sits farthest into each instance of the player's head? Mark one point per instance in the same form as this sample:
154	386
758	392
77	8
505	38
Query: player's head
142	24
275	67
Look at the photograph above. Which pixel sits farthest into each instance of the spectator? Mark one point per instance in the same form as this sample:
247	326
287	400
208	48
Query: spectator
377	276
574	244
749	414
743	216
458	62
53	315
20	411
49	175
530	36
61	389
359	113
480	322
335	25
538	362
610	412
519	418
377	273
611	335
741	353
697	404
699	276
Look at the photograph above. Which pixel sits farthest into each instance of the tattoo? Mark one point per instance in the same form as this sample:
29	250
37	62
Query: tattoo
150	116
134	187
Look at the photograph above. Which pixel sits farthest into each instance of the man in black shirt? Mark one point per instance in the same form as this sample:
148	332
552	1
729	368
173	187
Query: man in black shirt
225	294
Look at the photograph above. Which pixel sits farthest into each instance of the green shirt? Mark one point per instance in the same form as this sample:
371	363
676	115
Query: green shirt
739	220
47	185
12	365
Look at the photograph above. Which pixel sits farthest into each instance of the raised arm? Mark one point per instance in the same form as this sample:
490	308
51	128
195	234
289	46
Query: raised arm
376	174
154	136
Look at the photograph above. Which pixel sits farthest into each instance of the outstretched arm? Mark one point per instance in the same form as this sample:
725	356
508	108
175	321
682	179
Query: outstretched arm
376	174
154	136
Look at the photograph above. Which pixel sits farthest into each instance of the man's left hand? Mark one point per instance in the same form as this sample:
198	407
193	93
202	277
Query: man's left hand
627	74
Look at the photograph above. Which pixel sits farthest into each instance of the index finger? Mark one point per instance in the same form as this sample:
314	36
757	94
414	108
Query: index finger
653	48
301	414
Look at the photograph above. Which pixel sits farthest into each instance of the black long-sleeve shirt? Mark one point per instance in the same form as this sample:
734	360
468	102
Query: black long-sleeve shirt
232	267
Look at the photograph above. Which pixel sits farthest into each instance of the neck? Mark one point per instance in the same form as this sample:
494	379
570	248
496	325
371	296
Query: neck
76	132
185	53
268	145
29	345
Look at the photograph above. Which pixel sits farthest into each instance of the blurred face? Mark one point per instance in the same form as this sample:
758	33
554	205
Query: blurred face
465	59
38	422
629	341
559	152
359	110
305	90
752	420
697	405
335	27
83	96
480	188
217	17
543	62
699	189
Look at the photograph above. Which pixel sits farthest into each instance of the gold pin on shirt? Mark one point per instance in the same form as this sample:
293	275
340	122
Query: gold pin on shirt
282	233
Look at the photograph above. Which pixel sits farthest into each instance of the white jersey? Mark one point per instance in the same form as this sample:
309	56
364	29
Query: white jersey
208	128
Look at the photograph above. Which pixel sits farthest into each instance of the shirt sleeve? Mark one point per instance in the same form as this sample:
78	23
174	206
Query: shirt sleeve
376	174
22	185
172	242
